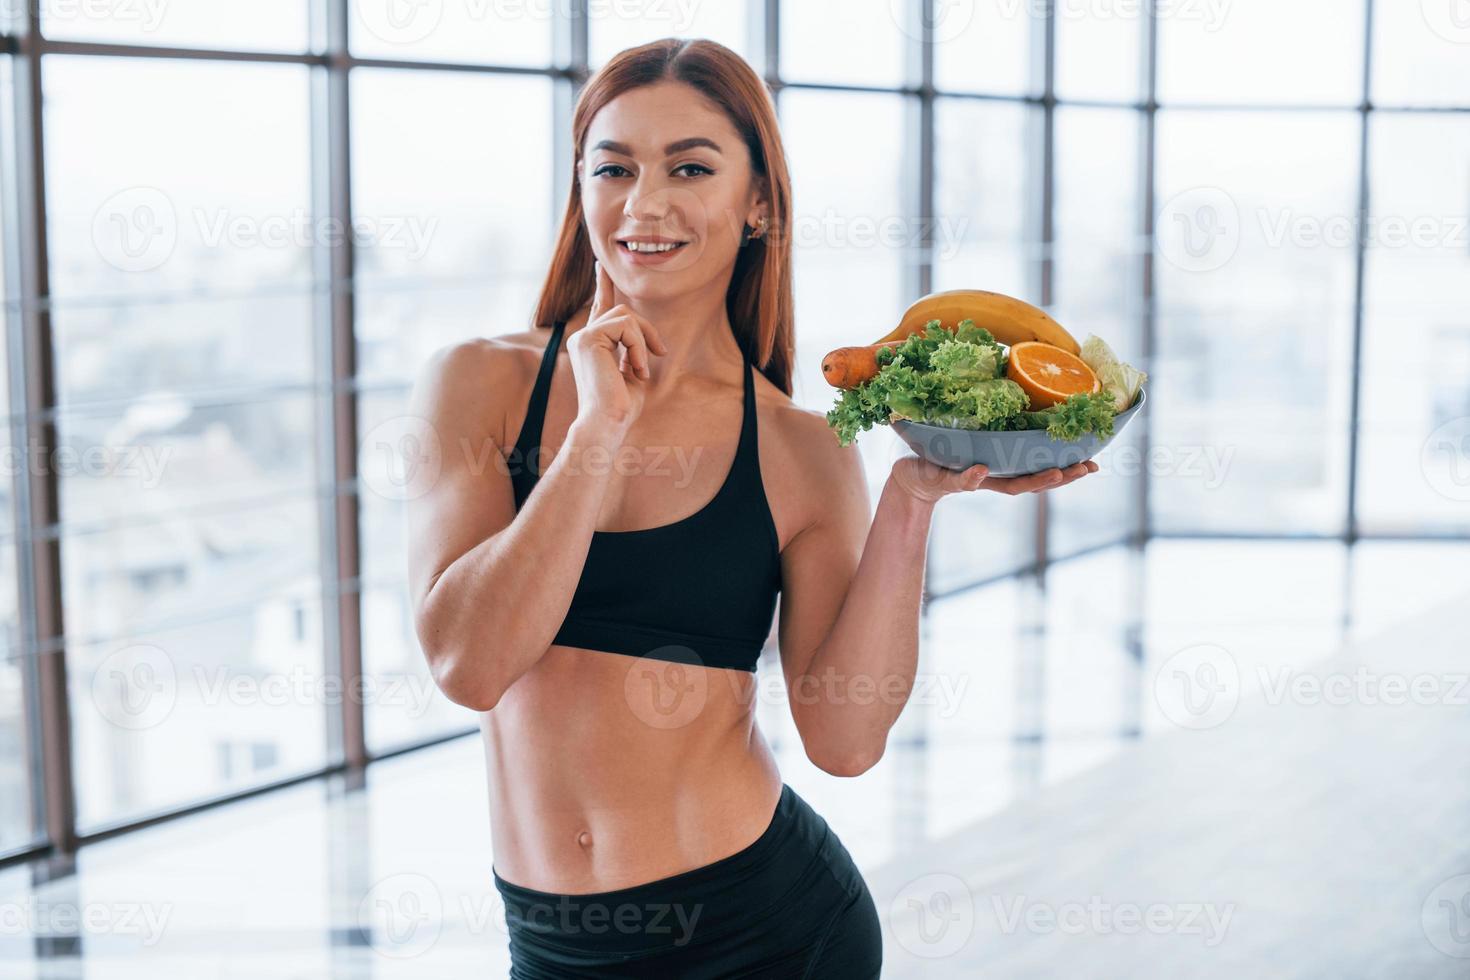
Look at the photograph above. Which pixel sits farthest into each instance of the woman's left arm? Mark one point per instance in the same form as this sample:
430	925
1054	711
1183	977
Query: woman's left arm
849	630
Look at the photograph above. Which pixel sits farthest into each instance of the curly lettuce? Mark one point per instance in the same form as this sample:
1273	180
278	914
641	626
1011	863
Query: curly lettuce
956	378
1068	420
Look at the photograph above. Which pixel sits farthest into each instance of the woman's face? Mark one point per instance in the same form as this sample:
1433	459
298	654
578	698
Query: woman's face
649	169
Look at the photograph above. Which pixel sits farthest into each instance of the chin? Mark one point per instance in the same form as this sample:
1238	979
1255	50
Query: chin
651	282
657	288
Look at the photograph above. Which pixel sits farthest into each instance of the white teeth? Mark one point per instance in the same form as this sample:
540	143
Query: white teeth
652	247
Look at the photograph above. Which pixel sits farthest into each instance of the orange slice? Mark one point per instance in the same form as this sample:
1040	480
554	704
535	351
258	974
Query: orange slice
1049	374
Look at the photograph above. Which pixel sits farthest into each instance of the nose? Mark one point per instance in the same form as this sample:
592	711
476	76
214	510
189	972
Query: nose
646	202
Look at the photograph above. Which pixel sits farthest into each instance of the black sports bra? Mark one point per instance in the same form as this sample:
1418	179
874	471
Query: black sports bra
701	590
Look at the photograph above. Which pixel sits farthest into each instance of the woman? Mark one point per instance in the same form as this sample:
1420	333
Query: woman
603	604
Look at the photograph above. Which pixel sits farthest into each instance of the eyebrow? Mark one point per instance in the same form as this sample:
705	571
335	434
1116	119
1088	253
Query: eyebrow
678	146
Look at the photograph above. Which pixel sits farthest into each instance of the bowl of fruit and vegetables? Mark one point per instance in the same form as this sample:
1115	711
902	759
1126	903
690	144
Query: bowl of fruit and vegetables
971	376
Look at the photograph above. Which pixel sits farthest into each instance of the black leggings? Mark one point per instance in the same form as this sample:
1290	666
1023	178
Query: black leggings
791	904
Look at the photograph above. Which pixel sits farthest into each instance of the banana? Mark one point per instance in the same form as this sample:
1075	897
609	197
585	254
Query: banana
1008	319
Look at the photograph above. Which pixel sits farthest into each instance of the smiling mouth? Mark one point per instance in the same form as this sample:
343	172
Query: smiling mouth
648	249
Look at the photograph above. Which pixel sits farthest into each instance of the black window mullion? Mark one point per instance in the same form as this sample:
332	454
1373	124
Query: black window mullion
336	369
36	492
1046	269
1148	325
1360	257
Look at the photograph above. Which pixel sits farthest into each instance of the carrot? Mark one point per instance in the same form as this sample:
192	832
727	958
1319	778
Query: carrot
848	367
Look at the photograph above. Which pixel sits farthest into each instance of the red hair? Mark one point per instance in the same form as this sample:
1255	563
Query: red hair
759	300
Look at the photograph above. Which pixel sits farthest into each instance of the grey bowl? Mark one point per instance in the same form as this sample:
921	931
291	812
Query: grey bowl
1007	453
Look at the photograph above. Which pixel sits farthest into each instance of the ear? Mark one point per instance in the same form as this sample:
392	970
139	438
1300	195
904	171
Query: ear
759	205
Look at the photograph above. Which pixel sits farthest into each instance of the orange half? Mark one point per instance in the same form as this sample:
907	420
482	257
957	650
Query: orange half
1049	374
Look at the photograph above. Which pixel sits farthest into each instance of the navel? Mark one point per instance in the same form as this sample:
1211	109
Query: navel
584	839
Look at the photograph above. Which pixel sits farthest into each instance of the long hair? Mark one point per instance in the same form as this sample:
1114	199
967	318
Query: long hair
759	300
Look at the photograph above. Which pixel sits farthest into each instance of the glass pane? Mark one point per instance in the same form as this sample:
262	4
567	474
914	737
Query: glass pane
10	635
10	320
15	790
850	225
1306	52
1254	271
613	27
848	42
986	47
1097	218
164	719
240	25
1414	468
475	31
184	284
15	749
188	255
139	576
466	229
1100	50
168	453
404	704
147	357
1420	53
1098	287
987	167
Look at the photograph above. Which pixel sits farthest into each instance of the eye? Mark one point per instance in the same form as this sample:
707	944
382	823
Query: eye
701	168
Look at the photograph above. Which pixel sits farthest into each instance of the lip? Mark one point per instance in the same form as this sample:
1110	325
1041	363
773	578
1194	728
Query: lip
647	258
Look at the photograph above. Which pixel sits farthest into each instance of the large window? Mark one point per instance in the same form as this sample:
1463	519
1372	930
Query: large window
183	335
255	220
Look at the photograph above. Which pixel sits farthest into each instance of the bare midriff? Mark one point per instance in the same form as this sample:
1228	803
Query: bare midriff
607	771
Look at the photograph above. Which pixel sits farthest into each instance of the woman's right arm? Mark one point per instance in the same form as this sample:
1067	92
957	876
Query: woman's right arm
490	586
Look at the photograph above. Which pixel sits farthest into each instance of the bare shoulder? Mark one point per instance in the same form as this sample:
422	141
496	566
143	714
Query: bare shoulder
802	451
474	383
801	434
